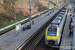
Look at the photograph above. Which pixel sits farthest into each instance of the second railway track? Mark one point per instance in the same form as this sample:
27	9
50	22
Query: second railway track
41	46
34	42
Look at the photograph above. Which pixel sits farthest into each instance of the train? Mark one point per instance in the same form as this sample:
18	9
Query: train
54	31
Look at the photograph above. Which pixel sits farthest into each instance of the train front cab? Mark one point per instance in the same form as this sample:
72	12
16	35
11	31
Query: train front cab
52	36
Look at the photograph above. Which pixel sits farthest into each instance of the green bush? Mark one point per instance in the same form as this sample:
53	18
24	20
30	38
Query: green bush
10	1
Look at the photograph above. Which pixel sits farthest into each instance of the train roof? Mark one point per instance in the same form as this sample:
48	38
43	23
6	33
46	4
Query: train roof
58	19
64	10
52	26
62	13
55	23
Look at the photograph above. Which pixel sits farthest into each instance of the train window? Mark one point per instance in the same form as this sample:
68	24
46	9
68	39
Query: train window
53	25
52	31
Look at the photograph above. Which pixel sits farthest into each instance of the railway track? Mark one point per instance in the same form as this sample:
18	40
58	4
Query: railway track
41	46
34	42
38	43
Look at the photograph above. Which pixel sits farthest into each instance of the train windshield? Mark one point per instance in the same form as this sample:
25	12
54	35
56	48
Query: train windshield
52	31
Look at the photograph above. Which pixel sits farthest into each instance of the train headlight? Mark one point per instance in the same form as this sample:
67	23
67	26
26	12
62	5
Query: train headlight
56	42
46	41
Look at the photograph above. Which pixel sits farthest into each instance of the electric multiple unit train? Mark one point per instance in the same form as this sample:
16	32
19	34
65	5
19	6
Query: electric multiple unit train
54	30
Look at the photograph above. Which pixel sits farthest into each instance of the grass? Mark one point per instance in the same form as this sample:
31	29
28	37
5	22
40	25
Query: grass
50	7
11	27
6	24
11	12
6	29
